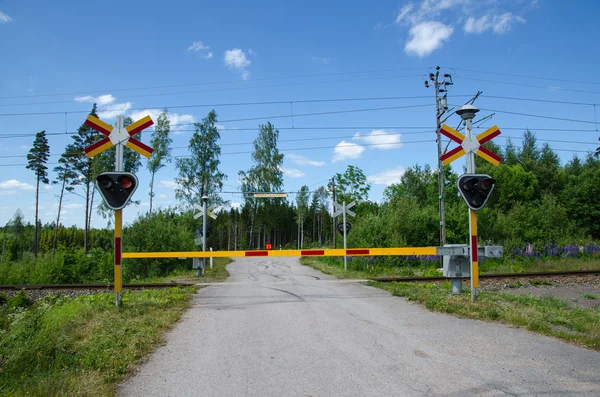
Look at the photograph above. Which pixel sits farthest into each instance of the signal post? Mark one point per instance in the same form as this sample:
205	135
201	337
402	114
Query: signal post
474	188
116	188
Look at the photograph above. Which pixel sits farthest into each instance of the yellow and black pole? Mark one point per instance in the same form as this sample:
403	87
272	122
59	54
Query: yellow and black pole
118	222
474	253
118	256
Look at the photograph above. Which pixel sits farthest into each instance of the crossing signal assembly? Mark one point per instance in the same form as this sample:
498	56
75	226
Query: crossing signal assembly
116	188
475	189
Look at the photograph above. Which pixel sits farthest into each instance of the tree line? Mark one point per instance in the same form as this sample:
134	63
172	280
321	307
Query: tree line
536	199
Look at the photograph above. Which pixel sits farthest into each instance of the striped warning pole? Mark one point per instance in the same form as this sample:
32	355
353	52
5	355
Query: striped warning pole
474	258
118	280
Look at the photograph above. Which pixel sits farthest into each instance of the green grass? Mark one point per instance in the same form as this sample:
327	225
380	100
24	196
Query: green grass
590	296
82	346
218	273
537	283
548	316
357	268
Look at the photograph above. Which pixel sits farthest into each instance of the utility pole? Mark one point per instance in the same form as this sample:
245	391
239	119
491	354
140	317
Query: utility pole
334	231
441	106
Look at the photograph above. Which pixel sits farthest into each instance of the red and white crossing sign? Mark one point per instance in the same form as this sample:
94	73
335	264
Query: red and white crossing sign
473	145
123	136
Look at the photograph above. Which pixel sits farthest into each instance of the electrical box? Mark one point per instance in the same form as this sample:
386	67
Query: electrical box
456	265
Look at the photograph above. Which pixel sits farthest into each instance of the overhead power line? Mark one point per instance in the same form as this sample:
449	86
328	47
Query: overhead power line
541	100
529	77
535	129
282	150
206	91
82	92
529	85
541	116
194	106
281	140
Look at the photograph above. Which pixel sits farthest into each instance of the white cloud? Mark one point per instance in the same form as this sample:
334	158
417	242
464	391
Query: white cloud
499	24
15	184
162	196
428	30
178	121
100	100
252	53
236	59
387	177
113	110
197	46
235	205
380	139
201	49
302	160
167	183
503	23
426	37
7	192
477	25
404	12
48	187
4	18
437	6
73	206
347	150
108	108
292	172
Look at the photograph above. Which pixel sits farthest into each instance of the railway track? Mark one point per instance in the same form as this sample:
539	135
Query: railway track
491	276
107	287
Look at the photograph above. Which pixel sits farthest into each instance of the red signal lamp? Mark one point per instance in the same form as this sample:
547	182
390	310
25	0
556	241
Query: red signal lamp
269	246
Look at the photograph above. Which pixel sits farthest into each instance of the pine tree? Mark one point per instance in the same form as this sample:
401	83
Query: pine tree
302	200
37	159
84	167
65	175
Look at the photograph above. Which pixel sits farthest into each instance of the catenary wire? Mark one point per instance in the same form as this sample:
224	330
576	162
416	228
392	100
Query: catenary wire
210	83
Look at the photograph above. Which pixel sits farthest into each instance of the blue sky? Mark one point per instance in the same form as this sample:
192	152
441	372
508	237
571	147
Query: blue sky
135	58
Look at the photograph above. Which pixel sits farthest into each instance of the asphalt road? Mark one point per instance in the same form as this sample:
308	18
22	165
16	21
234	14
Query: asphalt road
278	328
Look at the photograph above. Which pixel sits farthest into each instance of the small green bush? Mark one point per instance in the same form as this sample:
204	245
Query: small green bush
20	300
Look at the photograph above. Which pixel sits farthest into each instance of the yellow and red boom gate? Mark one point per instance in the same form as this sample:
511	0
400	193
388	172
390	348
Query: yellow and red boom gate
412	251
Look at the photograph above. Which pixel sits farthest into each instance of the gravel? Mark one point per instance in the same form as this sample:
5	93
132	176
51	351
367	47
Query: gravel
571	289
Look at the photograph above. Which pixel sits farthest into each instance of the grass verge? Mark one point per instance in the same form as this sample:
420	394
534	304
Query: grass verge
357	267
548	316
216	274
82	346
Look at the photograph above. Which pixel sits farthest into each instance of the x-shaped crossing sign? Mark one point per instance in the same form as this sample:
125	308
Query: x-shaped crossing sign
123	136
339	209
470	145
208	211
